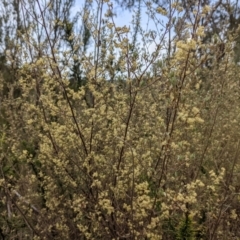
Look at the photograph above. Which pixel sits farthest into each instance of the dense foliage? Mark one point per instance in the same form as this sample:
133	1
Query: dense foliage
121	139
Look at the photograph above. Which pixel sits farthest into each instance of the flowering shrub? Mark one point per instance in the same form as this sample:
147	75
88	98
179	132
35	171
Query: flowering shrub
143	150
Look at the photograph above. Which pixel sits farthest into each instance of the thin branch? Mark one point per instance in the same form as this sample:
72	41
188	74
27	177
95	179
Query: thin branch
26	202
57	70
